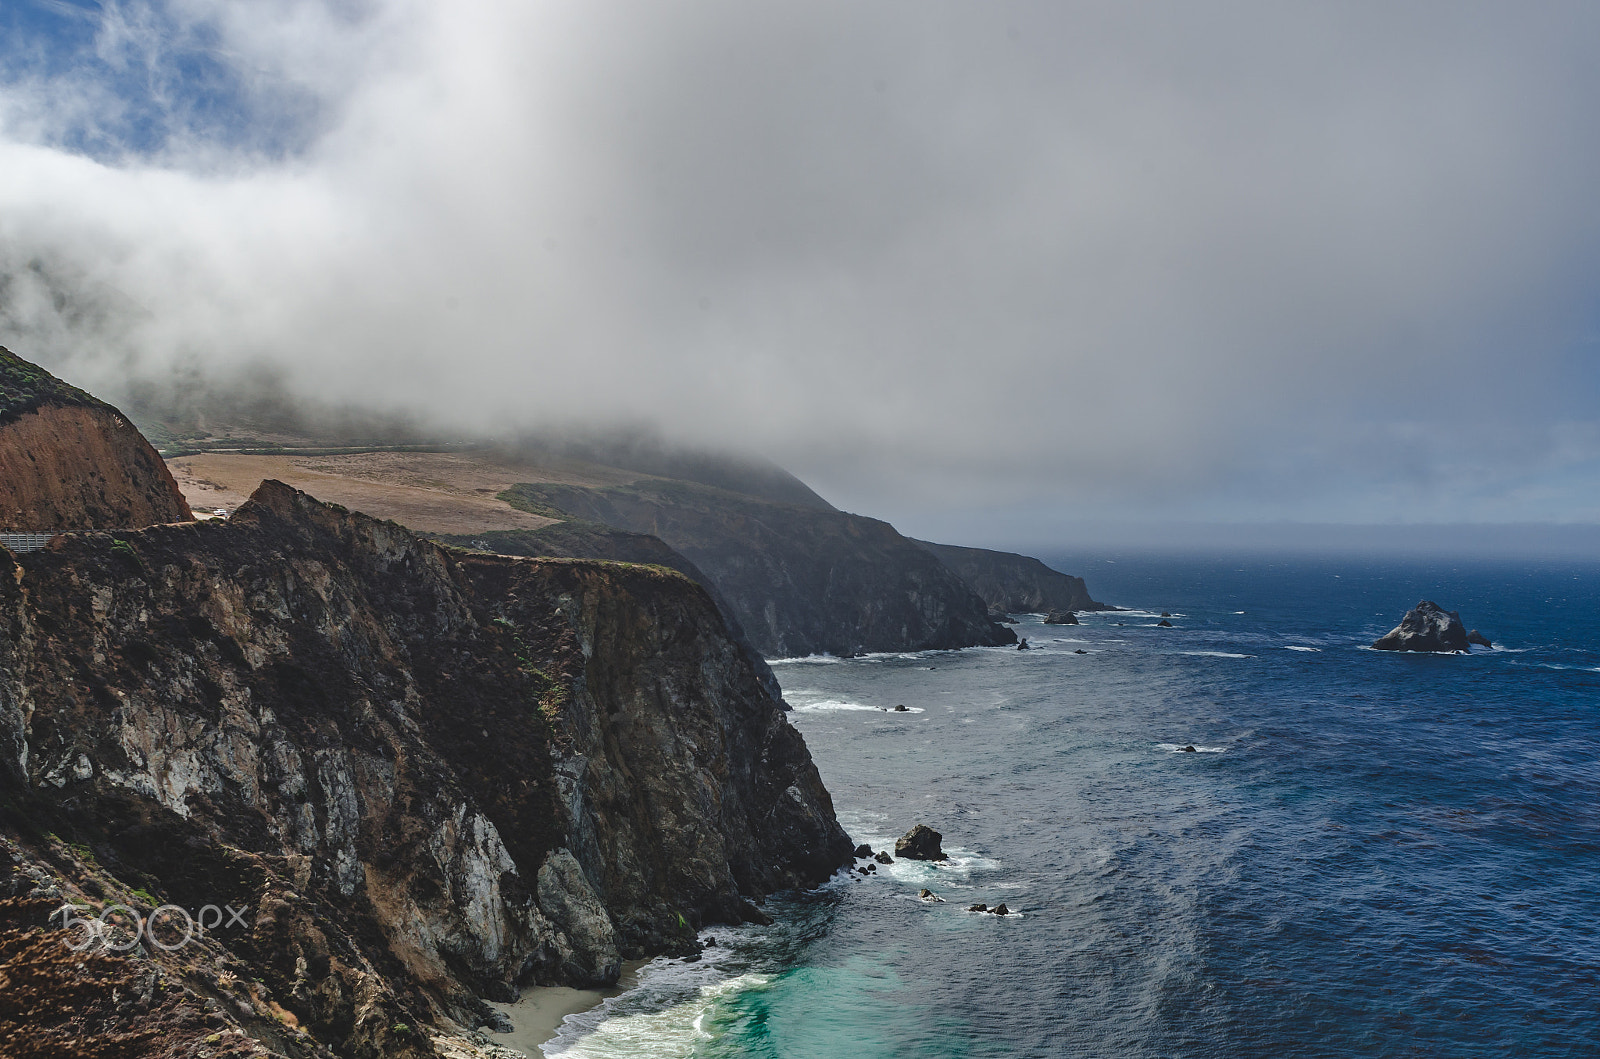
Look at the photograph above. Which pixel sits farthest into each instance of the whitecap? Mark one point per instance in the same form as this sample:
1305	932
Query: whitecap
1178	748
675	1032
1215	654
1297	647
838	705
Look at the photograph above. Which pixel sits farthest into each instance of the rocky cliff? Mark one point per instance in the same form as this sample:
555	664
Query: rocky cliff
425	776
71	462
1015	584
800	579
574	539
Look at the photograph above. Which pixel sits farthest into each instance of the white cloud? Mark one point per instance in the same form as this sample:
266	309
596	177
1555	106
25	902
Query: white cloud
1231	258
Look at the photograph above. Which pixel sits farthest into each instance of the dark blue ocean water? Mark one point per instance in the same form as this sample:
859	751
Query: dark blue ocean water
1369	854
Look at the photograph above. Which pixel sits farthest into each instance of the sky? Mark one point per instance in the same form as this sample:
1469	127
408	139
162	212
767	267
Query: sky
996	272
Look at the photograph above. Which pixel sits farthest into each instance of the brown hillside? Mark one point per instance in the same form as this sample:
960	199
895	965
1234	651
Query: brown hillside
82	467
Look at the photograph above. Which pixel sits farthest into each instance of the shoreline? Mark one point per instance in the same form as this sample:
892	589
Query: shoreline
536	1016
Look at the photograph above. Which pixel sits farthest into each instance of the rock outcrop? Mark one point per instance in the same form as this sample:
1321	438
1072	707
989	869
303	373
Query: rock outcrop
1061	617
1015	584
1427	627
920	843
71	462
427	776
1477	638
799	579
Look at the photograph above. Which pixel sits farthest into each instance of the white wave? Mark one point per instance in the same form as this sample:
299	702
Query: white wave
807	660
1297	647
1178	748
1215	654
837	705
675	1032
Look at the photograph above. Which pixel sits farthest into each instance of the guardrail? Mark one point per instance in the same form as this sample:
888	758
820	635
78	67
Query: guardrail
25	542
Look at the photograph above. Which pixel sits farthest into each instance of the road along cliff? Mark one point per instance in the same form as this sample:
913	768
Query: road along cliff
415	778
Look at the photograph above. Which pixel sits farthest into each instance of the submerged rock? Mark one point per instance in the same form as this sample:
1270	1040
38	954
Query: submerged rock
1189	750
1427	627
920	843
977	908
928	895
1163	624
884	858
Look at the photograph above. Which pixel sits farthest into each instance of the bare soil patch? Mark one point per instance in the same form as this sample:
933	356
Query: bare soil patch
431	492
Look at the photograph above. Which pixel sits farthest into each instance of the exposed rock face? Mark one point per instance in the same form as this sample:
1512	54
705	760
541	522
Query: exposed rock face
428	775
1426	627
1476	637
591	540
1015	584
920	843
1061	617
799	579
71	462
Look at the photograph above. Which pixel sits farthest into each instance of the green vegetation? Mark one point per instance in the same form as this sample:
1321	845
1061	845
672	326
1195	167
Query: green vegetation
121	549
25	386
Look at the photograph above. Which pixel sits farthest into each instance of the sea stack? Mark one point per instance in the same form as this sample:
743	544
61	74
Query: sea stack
1428	628
920	843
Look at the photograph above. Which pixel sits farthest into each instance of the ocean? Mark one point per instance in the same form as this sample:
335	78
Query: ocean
1366	854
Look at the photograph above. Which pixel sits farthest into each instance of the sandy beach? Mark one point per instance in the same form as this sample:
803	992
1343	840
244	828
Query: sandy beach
538	1013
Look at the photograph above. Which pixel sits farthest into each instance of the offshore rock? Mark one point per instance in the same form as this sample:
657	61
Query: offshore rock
426	777
1427	627
920	843
1476	637
1061	617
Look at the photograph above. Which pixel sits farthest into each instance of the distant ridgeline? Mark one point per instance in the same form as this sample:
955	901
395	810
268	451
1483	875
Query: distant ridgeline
798	577
69	461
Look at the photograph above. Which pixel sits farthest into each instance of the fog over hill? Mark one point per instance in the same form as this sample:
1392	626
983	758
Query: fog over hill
1013	266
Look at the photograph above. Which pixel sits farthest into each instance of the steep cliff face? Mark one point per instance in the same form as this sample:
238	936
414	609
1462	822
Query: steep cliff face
71	462
798	579
429	776
1014	584
590	540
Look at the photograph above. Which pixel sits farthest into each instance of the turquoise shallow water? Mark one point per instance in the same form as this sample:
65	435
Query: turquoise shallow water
1367	855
